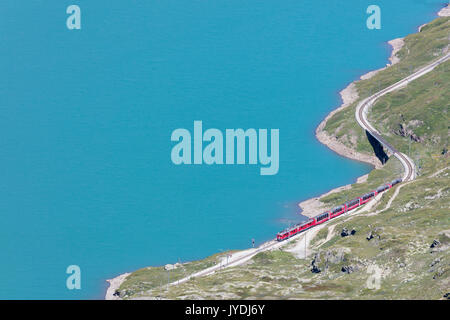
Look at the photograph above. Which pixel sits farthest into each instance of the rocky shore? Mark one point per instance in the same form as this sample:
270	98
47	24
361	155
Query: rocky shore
349	95
314	206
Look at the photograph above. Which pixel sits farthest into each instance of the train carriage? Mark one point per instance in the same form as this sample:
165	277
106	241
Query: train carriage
337	211
365	198
323	217
352	204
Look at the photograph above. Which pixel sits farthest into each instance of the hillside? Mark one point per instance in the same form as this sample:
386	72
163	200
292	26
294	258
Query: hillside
399	249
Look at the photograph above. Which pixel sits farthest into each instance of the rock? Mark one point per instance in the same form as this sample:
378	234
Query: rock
436	261
439	273
375	233
403	131
345	233
435	243
347	269
415	123
172	266
401	265
315	263
315	269
322	260
169	267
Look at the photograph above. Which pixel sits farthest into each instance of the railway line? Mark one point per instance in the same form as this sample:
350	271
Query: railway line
361	117
364	106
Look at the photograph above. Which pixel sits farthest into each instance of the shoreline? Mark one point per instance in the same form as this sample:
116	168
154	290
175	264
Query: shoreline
349	95
313	206
114	284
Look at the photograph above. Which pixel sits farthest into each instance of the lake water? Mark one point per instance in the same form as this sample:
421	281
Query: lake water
86	117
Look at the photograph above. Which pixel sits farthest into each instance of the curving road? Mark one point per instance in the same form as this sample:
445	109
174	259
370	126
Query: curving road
364	106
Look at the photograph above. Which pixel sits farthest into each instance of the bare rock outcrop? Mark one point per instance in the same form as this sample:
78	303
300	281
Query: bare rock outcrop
345	232
404	131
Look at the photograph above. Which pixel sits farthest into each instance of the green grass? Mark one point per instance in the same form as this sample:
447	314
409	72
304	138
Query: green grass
419	214
405	237
419	49
391	170
149	278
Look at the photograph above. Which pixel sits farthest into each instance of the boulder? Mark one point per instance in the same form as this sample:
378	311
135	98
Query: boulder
375	233
436	261
435	243
439	273
345	232
169	267
314	263
403	131
315	269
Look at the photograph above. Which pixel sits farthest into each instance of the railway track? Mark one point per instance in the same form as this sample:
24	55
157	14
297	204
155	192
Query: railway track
363	107
361	112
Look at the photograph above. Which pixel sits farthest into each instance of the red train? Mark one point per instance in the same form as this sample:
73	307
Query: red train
333	213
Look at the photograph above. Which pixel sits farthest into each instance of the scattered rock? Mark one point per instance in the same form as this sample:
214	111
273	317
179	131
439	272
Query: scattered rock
374	233
403	131
322	260
172	266
435	243
439	273
314	263
415	123
347	269
436	261
315	269
344	232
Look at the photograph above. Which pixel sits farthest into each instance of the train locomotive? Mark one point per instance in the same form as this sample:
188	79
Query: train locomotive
335	212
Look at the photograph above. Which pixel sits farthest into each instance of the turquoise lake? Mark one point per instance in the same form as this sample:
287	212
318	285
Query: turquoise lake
86	117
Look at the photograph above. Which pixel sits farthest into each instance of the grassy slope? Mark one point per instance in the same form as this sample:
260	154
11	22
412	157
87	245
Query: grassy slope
418	214
419	49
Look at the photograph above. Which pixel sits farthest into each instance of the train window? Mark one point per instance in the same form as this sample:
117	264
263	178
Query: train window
367	196
322	216
337	209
